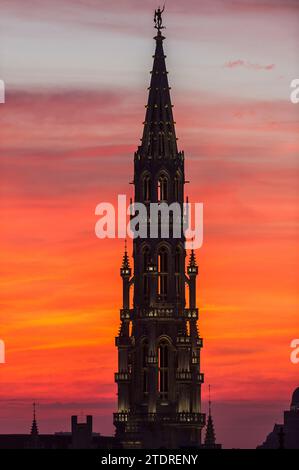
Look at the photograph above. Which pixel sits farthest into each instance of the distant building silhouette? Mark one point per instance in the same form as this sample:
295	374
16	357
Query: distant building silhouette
159	378
281	436
286	435
82	433
81	437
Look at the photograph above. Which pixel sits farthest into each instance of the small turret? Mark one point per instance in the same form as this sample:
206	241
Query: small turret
192	268
125	270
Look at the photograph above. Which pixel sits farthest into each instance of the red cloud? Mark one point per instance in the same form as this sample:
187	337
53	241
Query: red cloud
241	63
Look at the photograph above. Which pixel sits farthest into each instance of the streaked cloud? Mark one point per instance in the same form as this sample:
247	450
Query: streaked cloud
231	64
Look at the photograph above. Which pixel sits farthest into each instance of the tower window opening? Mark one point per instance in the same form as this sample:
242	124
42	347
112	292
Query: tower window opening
145	262
147	188
177	260
160	143
163	144
177	271
162	188
177	187
144	369
163	376
162	273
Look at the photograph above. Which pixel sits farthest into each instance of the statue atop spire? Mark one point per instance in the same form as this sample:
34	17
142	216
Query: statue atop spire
158	18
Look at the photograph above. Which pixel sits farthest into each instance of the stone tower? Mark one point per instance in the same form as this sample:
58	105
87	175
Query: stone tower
159	379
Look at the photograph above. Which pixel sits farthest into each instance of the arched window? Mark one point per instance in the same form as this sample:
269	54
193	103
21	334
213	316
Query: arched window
146	188
162	188
177	260
162	273
177	270
144	368
163	376
145	262
177	187
160	144
161	149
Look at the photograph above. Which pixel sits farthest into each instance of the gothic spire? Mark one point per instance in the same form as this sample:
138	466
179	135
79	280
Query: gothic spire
210	438
34	427
159	374
159	138
192	259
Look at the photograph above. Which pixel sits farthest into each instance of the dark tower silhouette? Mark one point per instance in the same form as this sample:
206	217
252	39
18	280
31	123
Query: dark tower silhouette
81	433
34	427
34	440
281	437
210	437
286	435
159	379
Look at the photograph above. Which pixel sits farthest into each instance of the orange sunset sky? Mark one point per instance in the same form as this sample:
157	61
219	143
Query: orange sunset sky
76	74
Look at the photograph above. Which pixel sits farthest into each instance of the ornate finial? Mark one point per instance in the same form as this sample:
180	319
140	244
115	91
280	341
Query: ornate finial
158	18
192	259
126	262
